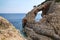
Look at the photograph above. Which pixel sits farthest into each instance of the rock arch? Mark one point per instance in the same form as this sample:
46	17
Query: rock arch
48	27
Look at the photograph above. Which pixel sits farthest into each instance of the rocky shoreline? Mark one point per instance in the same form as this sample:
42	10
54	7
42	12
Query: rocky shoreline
8	31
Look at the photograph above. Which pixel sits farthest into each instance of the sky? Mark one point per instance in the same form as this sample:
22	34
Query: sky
17	6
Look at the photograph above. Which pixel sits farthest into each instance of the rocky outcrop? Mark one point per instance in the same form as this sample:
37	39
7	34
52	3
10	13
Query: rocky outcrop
8	31
48	28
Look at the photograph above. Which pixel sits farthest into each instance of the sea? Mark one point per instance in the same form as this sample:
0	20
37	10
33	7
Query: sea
16	19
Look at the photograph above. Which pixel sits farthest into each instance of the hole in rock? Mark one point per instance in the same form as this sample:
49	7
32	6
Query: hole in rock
38	16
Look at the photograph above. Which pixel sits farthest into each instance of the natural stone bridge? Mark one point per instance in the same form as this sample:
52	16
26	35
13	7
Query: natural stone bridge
48	28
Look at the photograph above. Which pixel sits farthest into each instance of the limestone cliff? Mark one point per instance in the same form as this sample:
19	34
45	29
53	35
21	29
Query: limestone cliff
8	31
48	28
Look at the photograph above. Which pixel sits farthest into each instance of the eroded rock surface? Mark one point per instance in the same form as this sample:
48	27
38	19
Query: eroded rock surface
48	28
8	31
